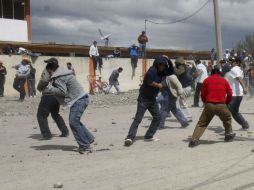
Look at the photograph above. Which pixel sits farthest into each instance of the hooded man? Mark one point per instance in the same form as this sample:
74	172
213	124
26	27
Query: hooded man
147	101
69	92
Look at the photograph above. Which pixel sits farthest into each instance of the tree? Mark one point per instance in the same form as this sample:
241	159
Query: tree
246	44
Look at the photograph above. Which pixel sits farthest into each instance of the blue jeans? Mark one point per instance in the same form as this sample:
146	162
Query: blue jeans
142	48
170	105
82	135
143	106
234	109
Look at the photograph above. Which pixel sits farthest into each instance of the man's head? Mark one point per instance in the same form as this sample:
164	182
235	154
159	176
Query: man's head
234	61
25	61
222	62
216	71
120	69
197	61
133	45
161	63
180	61
52	65
143	32
95	43
69	65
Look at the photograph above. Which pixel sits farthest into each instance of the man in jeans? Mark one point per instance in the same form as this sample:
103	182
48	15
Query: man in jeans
201	75
69	92
147	101
49	105
216	95
142	40
133	52
235	77
183	72
113	80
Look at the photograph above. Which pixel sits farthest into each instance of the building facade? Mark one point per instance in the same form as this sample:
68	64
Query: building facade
15	21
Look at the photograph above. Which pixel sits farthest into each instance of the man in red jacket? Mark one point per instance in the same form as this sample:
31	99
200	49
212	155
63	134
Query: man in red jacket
216	95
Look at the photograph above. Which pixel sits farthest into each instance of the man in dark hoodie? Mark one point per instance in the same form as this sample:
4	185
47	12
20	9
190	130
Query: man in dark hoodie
69	92
49	105
147	101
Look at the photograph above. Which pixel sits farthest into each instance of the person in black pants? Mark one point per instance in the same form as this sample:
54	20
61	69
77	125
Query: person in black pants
49	105
31	82
23	70
147	101
3	72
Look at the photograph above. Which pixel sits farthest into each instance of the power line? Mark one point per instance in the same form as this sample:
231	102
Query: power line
180	20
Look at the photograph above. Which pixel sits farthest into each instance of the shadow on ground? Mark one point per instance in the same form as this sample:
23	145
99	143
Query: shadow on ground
54	147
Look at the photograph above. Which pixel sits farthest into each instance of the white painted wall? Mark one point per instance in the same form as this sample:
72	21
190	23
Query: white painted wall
13	30
81	67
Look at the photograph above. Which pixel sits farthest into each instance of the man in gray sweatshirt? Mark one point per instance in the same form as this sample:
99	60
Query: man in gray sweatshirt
69	92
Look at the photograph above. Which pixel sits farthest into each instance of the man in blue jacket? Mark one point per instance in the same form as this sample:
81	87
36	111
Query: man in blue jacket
133	51
147	101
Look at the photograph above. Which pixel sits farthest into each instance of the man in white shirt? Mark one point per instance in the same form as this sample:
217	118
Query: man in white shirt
94	54
235	77
201	75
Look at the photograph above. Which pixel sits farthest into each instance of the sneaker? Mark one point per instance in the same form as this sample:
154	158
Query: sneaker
66	134
128	142
151	139
185	125
81	150
229	137
192	144
245	129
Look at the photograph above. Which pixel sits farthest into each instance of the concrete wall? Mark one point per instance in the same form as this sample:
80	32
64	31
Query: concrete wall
13	30
81	67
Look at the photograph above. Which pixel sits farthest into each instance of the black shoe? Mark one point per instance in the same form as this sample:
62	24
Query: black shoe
229	137
192	144
185	125
128	142
66	134
195	106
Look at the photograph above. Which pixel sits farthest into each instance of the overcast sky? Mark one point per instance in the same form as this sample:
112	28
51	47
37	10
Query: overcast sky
77	21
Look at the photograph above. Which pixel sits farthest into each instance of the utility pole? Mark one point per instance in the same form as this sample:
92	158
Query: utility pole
217	29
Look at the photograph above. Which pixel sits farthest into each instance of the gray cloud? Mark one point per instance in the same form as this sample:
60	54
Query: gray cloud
77	21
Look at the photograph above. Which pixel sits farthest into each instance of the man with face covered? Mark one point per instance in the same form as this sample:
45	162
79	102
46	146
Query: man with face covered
147	101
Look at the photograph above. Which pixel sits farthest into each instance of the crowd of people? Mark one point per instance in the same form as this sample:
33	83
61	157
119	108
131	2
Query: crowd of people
220	85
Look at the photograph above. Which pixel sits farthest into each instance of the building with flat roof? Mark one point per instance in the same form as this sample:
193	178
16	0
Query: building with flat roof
15	21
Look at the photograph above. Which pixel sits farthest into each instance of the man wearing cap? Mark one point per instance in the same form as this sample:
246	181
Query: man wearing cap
49	105
216	95
3	72
69	92
147	101
235	78
201	75
23	70
142	40
183	73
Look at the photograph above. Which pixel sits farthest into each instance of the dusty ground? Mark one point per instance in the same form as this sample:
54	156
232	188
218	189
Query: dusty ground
27	163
